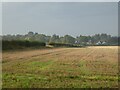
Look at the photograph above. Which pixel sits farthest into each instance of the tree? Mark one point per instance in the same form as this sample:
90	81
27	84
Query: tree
82	39
40	37
30	33
104	37
68	39
55	39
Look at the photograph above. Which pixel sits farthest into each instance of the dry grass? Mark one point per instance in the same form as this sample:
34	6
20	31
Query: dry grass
63	67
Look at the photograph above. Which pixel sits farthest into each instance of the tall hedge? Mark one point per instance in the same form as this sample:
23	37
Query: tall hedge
16	44
63	45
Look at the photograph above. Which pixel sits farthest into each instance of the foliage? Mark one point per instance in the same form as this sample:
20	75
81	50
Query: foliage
17	44
104	39
63	45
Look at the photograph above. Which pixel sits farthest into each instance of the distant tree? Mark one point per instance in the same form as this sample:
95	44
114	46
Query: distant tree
104	37
30	33
55	39
47	39
82	39
96	38
68	39
36	33
113	41
42	38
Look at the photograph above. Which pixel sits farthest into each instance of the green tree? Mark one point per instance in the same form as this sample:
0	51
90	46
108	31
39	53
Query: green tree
68	39
55	39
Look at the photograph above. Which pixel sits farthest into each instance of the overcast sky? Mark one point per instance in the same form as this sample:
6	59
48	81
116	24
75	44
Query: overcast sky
60	18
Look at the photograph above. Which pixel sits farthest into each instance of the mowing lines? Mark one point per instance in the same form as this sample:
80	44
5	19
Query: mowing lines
62	67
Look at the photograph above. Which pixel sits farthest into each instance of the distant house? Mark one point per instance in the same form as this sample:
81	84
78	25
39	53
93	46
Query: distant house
101	43
104	43
77	42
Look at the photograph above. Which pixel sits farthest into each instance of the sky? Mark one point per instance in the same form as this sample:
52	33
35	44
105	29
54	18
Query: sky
60	0
61	18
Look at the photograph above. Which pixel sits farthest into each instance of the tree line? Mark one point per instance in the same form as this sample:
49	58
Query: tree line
97	39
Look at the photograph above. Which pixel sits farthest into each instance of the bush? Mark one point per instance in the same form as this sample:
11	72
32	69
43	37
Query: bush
62	45
17	44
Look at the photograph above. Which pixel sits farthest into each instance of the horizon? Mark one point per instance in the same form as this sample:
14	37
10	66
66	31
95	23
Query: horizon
58	34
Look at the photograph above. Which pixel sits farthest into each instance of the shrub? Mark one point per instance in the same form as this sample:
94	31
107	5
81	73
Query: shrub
17	44
63	45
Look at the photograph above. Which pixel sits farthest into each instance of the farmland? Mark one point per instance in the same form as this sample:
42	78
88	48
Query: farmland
90	67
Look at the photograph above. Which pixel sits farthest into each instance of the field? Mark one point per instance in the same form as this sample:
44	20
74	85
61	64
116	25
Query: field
90	67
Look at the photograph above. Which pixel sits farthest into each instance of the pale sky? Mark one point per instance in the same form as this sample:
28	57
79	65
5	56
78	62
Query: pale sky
74	18
60	0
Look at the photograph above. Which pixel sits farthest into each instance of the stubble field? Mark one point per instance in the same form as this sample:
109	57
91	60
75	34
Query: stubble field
90	67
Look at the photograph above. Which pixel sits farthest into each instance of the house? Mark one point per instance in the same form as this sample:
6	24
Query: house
101	43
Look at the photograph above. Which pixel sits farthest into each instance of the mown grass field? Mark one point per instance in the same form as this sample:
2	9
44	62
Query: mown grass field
90	67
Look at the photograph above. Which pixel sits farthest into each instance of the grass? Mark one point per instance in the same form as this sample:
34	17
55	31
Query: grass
61	68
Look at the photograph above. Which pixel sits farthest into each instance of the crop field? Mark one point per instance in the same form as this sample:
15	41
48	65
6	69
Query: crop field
90	67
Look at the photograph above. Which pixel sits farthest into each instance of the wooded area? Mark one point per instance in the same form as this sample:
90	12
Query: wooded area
97	39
